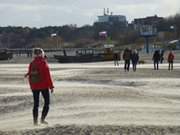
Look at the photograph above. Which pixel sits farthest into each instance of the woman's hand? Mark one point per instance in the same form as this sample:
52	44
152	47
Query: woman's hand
26	75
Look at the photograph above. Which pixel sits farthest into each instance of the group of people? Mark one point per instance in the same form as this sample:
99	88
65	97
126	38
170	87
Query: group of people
159	57
130	56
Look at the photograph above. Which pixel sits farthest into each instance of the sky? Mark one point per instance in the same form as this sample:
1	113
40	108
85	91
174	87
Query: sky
40	13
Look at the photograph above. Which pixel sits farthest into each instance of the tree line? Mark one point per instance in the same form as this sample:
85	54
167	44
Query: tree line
85	36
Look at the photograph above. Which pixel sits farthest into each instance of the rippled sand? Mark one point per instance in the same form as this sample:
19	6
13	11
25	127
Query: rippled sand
94	98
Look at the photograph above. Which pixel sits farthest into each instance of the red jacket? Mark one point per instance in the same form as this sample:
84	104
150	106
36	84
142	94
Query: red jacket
44	73
170	57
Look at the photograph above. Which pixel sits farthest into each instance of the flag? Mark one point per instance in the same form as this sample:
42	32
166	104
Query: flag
103	34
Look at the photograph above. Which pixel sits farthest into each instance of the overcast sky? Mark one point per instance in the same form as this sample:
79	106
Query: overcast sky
40	13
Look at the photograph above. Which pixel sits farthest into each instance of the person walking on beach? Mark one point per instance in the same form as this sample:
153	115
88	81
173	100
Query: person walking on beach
127	58
134	59
116	58
170	60
156	59
162	56
40	82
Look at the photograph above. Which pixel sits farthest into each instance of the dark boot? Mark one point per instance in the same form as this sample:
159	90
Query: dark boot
44	122
45	94
44	114
35	117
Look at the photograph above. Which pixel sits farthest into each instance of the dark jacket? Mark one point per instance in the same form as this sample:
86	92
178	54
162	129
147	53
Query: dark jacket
156	56
127	54
116	56
135	58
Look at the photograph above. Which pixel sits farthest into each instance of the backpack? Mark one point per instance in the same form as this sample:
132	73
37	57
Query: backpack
35	76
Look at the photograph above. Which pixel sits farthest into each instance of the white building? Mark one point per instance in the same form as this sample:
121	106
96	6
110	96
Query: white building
108	17
112	18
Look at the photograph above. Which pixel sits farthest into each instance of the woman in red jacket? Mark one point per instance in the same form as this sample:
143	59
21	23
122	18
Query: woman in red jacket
170	60
40	82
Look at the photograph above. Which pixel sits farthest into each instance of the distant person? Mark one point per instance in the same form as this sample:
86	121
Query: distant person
134	59
171	60
156	59
127	58
116	57
162	56
40	82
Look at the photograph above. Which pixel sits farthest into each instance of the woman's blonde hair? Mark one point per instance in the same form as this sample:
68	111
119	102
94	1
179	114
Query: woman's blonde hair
38	52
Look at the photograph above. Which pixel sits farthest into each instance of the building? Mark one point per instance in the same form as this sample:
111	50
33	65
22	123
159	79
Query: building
111	19
147	21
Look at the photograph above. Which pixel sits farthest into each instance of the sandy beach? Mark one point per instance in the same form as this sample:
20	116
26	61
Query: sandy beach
94	99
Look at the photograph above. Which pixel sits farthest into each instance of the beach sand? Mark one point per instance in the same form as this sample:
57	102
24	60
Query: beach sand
94	99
